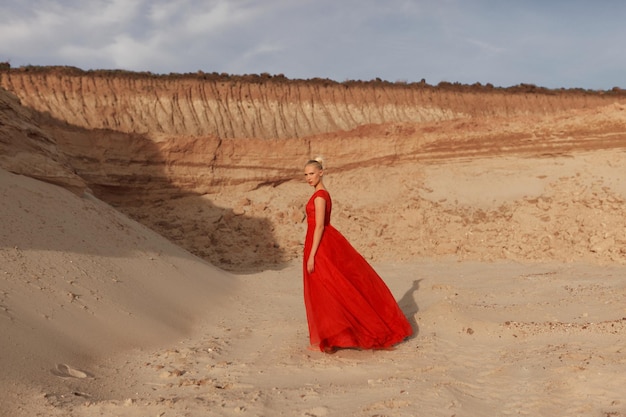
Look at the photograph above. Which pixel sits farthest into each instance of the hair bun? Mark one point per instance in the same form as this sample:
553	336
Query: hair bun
320	160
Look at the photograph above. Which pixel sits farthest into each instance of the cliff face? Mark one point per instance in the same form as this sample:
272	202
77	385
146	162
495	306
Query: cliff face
265	108
209	131
27	149
196	156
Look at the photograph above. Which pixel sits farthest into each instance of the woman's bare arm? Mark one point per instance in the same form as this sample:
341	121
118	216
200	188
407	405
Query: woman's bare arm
320	214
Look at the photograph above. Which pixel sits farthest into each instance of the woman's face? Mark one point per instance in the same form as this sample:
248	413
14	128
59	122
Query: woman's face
312	175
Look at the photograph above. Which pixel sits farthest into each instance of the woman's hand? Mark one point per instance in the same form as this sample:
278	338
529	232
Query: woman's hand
310	265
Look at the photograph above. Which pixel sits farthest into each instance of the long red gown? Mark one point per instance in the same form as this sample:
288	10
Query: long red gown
347	303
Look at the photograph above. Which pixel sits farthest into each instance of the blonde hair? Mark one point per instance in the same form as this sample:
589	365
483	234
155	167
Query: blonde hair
318	161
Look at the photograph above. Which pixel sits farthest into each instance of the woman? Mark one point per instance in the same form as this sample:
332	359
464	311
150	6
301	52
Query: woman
347	304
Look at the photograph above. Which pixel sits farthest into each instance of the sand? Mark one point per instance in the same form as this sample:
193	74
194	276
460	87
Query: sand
102	317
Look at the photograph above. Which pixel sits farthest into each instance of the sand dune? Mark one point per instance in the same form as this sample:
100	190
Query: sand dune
496	217
81	283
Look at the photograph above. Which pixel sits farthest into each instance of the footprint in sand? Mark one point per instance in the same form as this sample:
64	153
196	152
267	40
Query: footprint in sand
65	371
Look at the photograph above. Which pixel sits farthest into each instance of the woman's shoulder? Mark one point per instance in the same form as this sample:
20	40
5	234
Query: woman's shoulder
322	193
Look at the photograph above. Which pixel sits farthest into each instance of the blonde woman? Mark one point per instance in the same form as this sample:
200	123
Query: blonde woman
347	304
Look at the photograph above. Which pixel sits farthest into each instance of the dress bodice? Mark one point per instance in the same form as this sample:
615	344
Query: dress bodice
310	207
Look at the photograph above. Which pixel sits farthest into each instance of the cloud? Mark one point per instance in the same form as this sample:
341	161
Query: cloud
505	43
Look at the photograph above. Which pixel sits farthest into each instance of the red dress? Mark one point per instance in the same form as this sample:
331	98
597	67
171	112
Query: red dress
347	304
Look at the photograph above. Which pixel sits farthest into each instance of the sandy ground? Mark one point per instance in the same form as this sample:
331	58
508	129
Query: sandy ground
493	339
102	317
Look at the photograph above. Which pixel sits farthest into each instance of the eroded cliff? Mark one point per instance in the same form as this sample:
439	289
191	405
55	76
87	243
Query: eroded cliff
263	107
209	160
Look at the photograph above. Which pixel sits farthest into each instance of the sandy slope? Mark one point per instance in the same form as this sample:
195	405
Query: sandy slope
80	282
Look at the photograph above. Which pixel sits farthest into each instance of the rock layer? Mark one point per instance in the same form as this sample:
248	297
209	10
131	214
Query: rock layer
264	107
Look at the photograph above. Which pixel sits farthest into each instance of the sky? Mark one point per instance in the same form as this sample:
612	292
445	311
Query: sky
548	43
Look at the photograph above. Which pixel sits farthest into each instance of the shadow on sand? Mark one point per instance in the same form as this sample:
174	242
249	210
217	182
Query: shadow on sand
409	306
130	172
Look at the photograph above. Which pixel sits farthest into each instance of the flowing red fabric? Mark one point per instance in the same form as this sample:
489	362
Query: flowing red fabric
347	303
